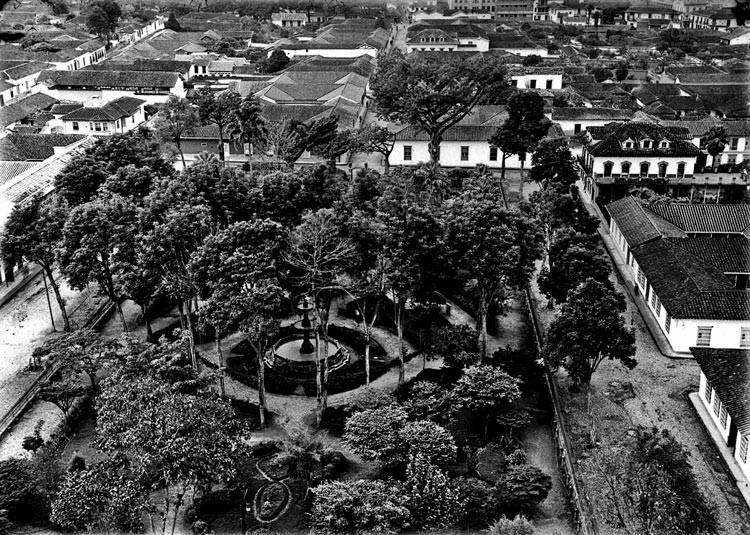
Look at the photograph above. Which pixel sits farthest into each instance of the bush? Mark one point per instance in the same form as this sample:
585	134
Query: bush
479	500
18	491
521	488
271	500
432	499
517	526
334	463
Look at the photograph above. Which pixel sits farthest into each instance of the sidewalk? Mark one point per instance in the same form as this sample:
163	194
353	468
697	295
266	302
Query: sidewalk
731	464
629	283
9	291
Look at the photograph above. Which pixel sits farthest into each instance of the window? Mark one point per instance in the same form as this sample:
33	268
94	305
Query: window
664	144
647	144
548	84
204	144
628	144
657	306
75	125
576	128
668	323
708	392
734	143
105	127
464	154
625	168
532	84
723	416
493	154
641	278
662	169
644	169
407	153
717	406
732	159
704	337
608	168
653	300
744	336
743	448
681	169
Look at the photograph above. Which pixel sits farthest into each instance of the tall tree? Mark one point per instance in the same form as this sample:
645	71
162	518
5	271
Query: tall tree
34	232
240	273
486	390
176	118
716	141
553	165
494	248
247	126
432	93
218	109
102	17
91	236
318	256
589	329
524	128
374	138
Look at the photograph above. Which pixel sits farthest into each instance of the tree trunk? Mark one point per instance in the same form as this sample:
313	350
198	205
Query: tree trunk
221	143
324	366
58	297
522	158
147	322
386	163
482	327
189	329
221	365
433	147
318	380
502	168
400	330
261	384
182	155
118	307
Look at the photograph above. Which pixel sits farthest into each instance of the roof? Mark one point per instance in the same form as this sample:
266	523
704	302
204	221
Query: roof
730	255
24	108
27	69
713	78
95	78
153	65
288	16
736	128
9	170
611	144
728	372
65	107
117	109
25	147
706	218
610	114
630	216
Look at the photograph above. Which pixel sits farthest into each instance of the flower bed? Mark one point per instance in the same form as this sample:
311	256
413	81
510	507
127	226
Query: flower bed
271	500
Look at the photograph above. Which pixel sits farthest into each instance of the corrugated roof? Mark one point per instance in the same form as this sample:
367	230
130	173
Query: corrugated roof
728	372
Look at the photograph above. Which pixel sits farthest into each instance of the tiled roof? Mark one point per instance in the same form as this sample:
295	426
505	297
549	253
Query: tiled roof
731	255
713	78
94	78
737	128
65	107
24	108
4	86
610	114
728	372
152	65
9	170
26	69
630	216
24	147
706	218
610	145
117	109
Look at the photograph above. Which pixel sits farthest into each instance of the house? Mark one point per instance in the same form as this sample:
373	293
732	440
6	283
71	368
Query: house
652	16
21	76
517	44
25	111
690	264
573	120
568	12
724	393
740	36
536	77
288	20
466	144
446	35
348	39
738	134
635	153
34	147
116	117
92	87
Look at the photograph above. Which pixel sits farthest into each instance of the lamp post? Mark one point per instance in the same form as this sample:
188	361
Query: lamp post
245	509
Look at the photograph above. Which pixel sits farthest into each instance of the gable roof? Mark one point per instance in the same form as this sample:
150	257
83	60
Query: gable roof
730	255
24	108
96	78
611	144
728	372
572	113
117	109
26	147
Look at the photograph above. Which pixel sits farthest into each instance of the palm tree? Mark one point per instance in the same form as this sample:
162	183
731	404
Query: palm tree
302	454
247	125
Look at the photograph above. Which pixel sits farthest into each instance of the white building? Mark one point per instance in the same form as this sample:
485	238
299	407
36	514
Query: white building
725	394
116	117
574	120
288	20
737	150
691	264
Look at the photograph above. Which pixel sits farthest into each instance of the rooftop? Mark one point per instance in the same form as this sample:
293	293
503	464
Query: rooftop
728	372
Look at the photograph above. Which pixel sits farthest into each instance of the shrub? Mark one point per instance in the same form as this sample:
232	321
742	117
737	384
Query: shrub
479	500
433	501
18	491
521	488
517	526
334	463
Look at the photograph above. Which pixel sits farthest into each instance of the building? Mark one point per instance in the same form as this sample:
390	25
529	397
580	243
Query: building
450	35
25	111
573	120
738	134
92	87
740	36
34	147
724	392
348	39
116	117
635	154
288	20
691	264
18	77
652	16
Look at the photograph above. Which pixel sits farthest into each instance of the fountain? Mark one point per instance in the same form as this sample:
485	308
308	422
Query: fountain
300	345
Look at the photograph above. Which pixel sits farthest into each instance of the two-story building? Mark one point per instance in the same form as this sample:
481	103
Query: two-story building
736	151
690	264
635	154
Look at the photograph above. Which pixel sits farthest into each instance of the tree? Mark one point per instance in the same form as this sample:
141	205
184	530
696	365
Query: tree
375	433
621	72
531	60
374	138
246	124
588	330
239	268
176	118
521	487
524	128
479	500
102	17
34	232
601	74
716	140
318	256
517	526
218	109
651	488
433	501
363	506
172	23
90	238
274	63
456	345
18	489
433	94
494	247
79	352
62	390
429	441
427	401
485	390
553	165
